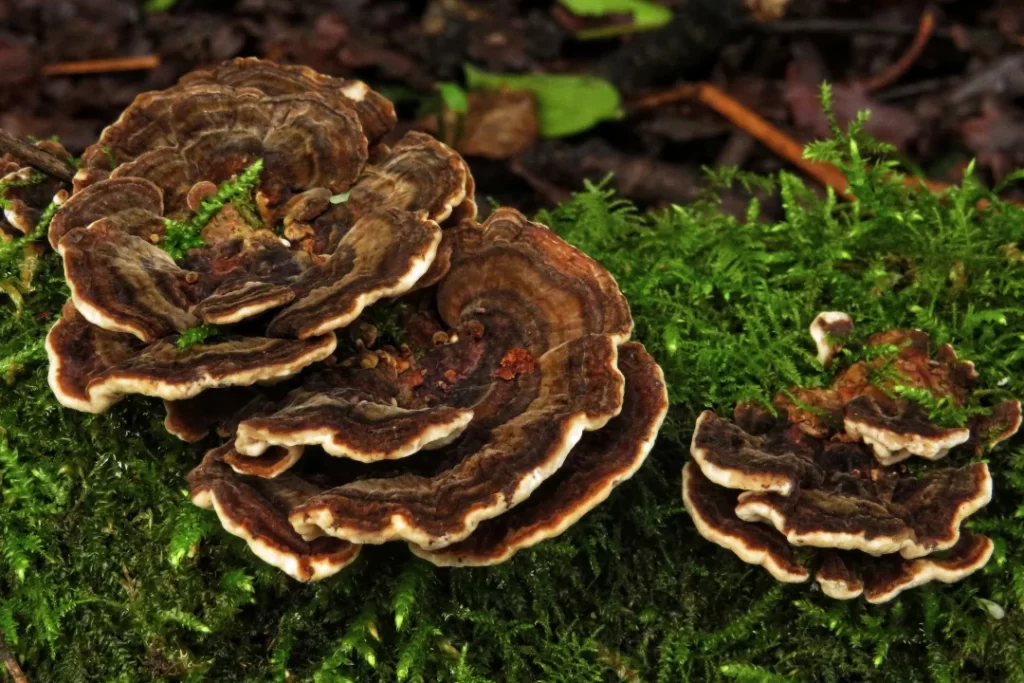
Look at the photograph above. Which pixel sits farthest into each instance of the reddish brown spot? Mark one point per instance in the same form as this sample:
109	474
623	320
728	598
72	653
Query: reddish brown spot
450	376
411	379
475	329
516	362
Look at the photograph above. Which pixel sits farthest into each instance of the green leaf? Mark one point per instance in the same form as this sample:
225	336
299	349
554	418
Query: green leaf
566	103
454	97
155	6
646	15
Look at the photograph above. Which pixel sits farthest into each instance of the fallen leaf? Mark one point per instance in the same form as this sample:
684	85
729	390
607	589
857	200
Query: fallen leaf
499	124
645	16
566	103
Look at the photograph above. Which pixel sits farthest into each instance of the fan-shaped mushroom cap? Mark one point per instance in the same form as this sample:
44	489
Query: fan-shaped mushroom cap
420	175
209	132
527	273
80	352
890	576
375	112
135	204
579	388
346	424
91	368
600	462
257	509
906	431
879	516
26	195
730	457
712	509
383	255
124	283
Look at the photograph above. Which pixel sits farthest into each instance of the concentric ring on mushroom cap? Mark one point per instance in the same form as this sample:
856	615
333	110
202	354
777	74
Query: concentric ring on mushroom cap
108	199
419	174
532	276
212	133
91	368
383	255
376	113
255	509
600	462
711	508
911	516
580	389
350	426
124	283
25	197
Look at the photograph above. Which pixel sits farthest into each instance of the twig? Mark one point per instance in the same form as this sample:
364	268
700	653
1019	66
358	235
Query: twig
13	668
907	59
96	66
768	134
757	126
804	26
35	157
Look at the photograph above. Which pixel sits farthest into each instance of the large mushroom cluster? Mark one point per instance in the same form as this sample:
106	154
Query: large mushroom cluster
505	403
825	471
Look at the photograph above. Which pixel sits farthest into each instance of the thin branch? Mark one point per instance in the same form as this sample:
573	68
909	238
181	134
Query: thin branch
33	156
7	657
767	133
890	75
97	66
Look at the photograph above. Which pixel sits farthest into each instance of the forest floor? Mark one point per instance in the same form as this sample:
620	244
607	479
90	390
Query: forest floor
109	573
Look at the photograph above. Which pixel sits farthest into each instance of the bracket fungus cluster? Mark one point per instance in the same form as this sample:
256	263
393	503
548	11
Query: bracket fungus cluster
826	471
516	406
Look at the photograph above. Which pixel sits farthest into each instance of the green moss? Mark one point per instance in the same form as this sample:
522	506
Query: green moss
107	572
184	235
197	335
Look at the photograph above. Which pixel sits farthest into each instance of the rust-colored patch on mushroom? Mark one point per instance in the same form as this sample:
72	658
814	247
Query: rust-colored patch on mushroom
516	362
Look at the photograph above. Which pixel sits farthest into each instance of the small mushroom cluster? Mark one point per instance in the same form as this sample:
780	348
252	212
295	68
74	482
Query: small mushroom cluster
516	406
25	193
825	471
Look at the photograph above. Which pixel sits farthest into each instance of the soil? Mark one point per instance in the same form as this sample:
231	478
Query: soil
960	98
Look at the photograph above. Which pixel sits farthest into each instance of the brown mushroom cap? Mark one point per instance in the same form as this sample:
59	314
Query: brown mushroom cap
878	516
256	509
124	283
730	457
529	274
419	175
375	112
577	388
209	132
346	424
816	476
600	462
383	255
26	196
91	368
139	201
712	509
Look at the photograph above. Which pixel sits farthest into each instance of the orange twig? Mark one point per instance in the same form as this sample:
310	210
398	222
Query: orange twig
907	59
767	134
757	126
96	66
11	664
